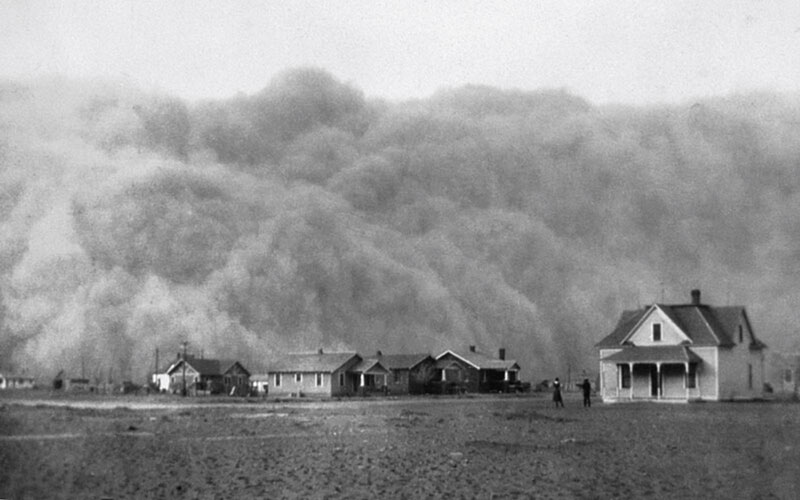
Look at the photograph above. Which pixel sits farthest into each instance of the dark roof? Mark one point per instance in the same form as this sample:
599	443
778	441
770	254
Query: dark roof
313	362
369	366
703	324
402	361
653	354
482	361
207	366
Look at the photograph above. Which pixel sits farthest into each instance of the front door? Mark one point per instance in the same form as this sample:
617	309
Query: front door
654	381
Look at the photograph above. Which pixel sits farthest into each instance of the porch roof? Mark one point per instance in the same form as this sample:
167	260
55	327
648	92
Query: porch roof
655	354
370	367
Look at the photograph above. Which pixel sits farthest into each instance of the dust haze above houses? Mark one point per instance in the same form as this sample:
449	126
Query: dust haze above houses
310	215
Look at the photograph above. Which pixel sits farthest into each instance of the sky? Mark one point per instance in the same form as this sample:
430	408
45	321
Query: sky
632	52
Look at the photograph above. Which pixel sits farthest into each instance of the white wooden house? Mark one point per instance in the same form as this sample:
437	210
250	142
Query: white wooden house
682	352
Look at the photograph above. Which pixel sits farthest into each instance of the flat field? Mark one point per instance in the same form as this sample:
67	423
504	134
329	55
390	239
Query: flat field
470	447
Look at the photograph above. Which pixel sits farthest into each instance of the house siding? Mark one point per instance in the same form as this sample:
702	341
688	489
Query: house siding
609	382
306	386
707	374
670	334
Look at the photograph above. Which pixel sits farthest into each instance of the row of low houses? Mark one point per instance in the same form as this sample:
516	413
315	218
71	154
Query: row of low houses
346	373
662	352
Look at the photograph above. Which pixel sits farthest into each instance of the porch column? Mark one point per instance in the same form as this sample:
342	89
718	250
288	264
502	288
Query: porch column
686	378
444	377
506	376
362	379
630	370
658	380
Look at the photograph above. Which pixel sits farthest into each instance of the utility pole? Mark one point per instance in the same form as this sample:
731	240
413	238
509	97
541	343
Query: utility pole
184	343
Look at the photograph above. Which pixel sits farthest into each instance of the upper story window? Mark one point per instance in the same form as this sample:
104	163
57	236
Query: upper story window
656	332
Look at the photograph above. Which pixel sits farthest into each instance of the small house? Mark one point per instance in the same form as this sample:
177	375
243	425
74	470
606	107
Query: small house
319	374
16	381
682	352
372	376
785	372
71	384
209	376
474	371
408	373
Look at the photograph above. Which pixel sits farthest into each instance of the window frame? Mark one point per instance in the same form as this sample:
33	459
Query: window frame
277	380
318	379
656	330
298	377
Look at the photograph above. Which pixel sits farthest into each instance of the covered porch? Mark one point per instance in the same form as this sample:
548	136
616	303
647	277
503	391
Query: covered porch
370	376
654	373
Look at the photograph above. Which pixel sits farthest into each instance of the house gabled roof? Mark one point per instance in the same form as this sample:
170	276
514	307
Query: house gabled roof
327	362
369	366
402	361
207	367
481	361
704	325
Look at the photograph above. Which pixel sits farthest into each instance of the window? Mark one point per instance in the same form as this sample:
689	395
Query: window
787	375
277	380
298	377
396	376
319	380
341	379
749	376
625	376
691	376
656	332
741	334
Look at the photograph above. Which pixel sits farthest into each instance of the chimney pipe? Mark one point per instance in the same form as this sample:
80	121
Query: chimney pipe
695	297
502	354
472	348
320	351
379	354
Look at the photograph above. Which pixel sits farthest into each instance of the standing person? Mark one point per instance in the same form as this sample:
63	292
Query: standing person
557	399
587	393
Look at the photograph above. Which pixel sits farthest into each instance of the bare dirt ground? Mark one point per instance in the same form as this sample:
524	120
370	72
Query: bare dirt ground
482	447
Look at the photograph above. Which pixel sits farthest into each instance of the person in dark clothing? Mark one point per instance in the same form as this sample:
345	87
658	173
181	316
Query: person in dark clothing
557	399
587	392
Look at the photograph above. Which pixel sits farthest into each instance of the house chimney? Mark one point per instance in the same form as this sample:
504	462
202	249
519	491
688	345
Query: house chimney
378	353
320	351
695	297
472	348
502	354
